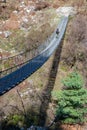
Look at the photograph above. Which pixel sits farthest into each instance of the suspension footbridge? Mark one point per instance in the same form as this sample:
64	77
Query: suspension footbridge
12	76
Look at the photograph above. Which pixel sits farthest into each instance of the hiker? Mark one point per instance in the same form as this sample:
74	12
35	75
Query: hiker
57	31
4	1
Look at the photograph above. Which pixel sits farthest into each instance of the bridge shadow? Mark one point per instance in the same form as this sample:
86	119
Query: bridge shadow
46	92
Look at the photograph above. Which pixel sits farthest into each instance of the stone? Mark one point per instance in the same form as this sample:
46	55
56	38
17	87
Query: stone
7	33
66	11
11	24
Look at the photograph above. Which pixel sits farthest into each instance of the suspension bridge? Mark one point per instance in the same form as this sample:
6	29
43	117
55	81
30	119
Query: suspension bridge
31	60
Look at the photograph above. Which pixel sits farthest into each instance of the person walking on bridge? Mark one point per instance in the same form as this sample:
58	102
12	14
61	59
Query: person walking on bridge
4	1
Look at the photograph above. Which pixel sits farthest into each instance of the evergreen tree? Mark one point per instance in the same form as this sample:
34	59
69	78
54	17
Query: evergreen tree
72	100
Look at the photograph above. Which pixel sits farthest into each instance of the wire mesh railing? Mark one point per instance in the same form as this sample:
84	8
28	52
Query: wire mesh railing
11	63
18	73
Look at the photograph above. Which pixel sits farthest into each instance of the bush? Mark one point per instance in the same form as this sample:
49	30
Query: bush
15	119
73	81
72	101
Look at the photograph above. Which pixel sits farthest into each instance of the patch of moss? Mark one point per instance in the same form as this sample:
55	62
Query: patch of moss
16	120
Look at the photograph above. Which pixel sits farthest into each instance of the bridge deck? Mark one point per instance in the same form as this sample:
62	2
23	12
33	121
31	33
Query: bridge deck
31	65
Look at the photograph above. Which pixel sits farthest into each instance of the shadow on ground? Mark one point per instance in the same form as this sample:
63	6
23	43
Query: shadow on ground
32	117
46	92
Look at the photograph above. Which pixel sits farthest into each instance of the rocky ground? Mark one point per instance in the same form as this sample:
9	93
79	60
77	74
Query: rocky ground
18	23
22	19
22	25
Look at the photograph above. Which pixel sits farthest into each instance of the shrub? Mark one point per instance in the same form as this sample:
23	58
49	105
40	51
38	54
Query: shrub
73	80
72	101
15	119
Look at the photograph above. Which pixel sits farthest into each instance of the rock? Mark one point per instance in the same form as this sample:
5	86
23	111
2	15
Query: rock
11	24
30	8
1	33
7	34
41	5
14	15
22	4
25	19
66	11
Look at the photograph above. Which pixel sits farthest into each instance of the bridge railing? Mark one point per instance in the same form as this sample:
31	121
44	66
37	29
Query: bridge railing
14	78
10	64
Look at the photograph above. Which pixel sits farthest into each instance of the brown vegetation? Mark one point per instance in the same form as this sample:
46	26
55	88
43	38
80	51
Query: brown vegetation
75	50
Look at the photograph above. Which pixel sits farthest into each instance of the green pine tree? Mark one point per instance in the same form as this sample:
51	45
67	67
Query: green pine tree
72	100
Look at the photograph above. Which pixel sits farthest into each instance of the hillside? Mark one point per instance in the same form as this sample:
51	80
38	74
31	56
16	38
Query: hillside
27	24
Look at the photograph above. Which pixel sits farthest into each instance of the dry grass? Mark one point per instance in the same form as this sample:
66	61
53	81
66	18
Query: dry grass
75	47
